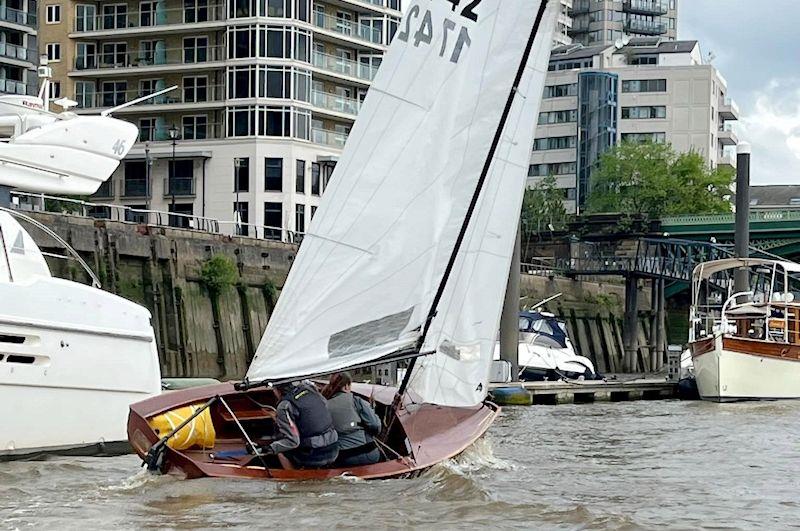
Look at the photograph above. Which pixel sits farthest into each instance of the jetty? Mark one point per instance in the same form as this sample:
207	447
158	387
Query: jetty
621	388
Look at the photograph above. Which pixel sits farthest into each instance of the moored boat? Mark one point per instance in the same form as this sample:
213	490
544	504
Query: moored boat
406	258
746	346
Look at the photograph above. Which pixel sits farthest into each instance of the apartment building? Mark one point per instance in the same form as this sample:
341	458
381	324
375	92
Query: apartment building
267	93
19	54
606	21
651	89
564	25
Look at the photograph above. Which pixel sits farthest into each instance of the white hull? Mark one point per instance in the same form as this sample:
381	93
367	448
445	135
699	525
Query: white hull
539	357
726	376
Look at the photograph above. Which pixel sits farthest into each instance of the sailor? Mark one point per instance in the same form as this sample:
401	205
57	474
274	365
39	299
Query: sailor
305	427
355	422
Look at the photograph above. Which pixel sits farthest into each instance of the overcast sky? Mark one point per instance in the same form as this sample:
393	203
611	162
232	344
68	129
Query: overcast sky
756	47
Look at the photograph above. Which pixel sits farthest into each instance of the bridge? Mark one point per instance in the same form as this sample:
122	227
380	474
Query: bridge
776	230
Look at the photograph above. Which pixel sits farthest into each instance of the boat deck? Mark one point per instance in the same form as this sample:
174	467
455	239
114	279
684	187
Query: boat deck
623	389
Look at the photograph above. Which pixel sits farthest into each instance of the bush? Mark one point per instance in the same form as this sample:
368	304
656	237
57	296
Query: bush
218	273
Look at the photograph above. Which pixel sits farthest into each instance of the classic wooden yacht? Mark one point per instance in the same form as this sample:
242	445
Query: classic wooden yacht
407	257
72	357
746	346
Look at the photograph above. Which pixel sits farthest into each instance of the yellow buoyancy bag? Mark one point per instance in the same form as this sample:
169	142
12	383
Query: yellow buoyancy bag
199	432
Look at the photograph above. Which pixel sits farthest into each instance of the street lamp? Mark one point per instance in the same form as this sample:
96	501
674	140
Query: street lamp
173	135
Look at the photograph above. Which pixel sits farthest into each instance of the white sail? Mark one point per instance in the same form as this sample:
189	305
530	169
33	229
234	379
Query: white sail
464	331
367	273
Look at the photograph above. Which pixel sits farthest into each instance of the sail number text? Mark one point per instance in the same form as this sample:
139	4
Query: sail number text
425	29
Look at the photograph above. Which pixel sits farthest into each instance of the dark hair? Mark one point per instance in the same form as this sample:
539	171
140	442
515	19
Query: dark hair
338	381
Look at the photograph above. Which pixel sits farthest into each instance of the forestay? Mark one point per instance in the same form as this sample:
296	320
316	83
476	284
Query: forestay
366	275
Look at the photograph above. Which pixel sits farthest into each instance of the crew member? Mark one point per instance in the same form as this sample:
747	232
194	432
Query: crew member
355	422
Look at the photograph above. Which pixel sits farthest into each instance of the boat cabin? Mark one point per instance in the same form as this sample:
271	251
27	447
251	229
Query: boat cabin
769	310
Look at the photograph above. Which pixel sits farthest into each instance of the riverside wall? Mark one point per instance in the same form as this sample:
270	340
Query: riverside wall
203	333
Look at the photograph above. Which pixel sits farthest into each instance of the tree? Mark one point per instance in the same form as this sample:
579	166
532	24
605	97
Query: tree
542	206
653	180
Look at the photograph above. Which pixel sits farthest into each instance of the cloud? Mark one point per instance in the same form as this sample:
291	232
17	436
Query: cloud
772	126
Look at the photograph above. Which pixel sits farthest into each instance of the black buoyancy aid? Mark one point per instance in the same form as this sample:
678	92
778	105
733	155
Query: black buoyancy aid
314	418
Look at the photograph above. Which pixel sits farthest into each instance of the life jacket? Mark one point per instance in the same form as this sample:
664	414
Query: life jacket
343	410
313	419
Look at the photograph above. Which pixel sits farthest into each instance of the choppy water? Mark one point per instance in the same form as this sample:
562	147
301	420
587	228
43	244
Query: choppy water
600	466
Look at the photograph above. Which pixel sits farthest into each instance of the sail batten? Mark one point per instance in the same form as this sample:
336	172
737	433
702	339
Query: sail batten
390	226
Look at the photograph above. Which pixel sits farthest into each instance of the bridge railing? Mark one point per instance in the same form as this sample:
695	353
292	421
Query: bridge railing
757	215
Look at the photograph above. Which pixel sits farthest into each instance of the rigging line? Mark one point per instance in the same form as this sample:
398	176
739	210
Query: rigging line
338	242
481	180
256	449
404	100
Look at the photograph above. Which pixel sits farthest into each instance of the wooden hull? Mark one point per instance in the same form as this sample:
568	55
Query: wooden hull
732	369
423	435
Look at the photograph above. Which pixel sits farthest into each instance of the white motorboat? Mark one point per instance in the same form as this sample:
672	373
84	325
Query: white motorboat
546	351
746	346
72	357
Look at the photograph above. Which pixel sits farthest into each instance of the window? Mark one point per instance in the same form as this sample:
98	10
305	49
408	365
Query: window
114	53
644	113
53	51
273	174
195	89
135	182
184	220
645	85
640	138
195	127
115	16
644	60
147	13
85	16
300	178
113	93
55	89
561	91
300	218
558	117
556	142
241	175
54	14
557	168
84	94
195	11
315	179
147	129
195	49
273	220
180	179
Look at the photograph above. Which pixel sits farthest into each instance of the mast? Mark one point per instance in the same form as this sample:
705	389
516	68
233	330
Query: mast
476	195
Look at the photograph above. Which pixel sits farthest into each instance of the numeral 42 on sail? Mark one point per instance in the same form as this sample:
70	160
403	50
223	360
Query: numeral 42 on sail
425	29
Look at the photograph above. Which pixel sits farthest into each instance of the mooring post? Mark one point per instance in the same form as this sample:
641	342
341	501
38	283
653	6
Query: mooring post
661	344
509	320
630	327
742	237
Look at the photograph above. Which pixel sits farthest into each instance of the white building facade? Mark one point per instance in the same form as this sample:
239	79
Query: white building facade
651	89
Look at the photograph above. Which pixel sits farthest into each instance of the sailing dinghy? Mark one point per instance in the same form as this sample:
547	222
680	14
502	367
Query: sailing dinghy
406	258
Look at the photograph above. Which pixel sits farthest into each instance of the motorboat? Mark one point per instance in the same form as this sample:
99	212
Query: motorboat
746	345
406	259
72	356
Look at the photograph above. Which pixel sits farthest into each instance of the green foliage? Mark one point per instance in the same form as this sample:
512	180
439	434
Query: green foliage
270	293
65	207
653	180
218	273
543	205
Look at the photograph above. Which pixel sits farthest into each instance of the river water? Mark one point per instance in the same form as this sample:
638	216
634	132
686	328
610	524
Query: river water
599	466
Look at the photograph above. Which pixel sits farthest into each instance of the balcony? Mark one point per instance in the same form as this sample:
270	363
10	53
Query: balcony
106	190
135	187
646	7
188	96
645	27
15	16
727	136
728	110
349	28
192	131
344	67
179	187
727	160
327	137
12	51
11	86
157	20
335	103
113	63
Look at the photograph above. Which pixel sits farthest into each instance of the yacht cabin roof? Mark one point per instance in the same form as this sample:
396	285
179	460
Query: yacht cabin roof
707	269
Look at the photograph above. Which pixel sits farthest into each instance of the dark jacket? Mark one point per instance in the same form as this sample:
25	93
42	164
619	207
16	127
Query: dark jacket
354	419
303	421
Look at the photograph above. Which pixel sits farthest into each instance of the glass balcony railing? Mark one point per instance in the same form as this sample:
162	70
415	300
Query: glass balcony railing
18	52
10	86
348	28
179	186
199	94
645	27
334	102
344	67
190	130
122	19
646	7
327	137
15	16
145	58
136	187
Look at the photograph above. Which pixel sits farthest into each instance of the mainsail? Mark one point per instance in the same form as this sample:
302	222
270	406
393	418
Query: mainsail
366	276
